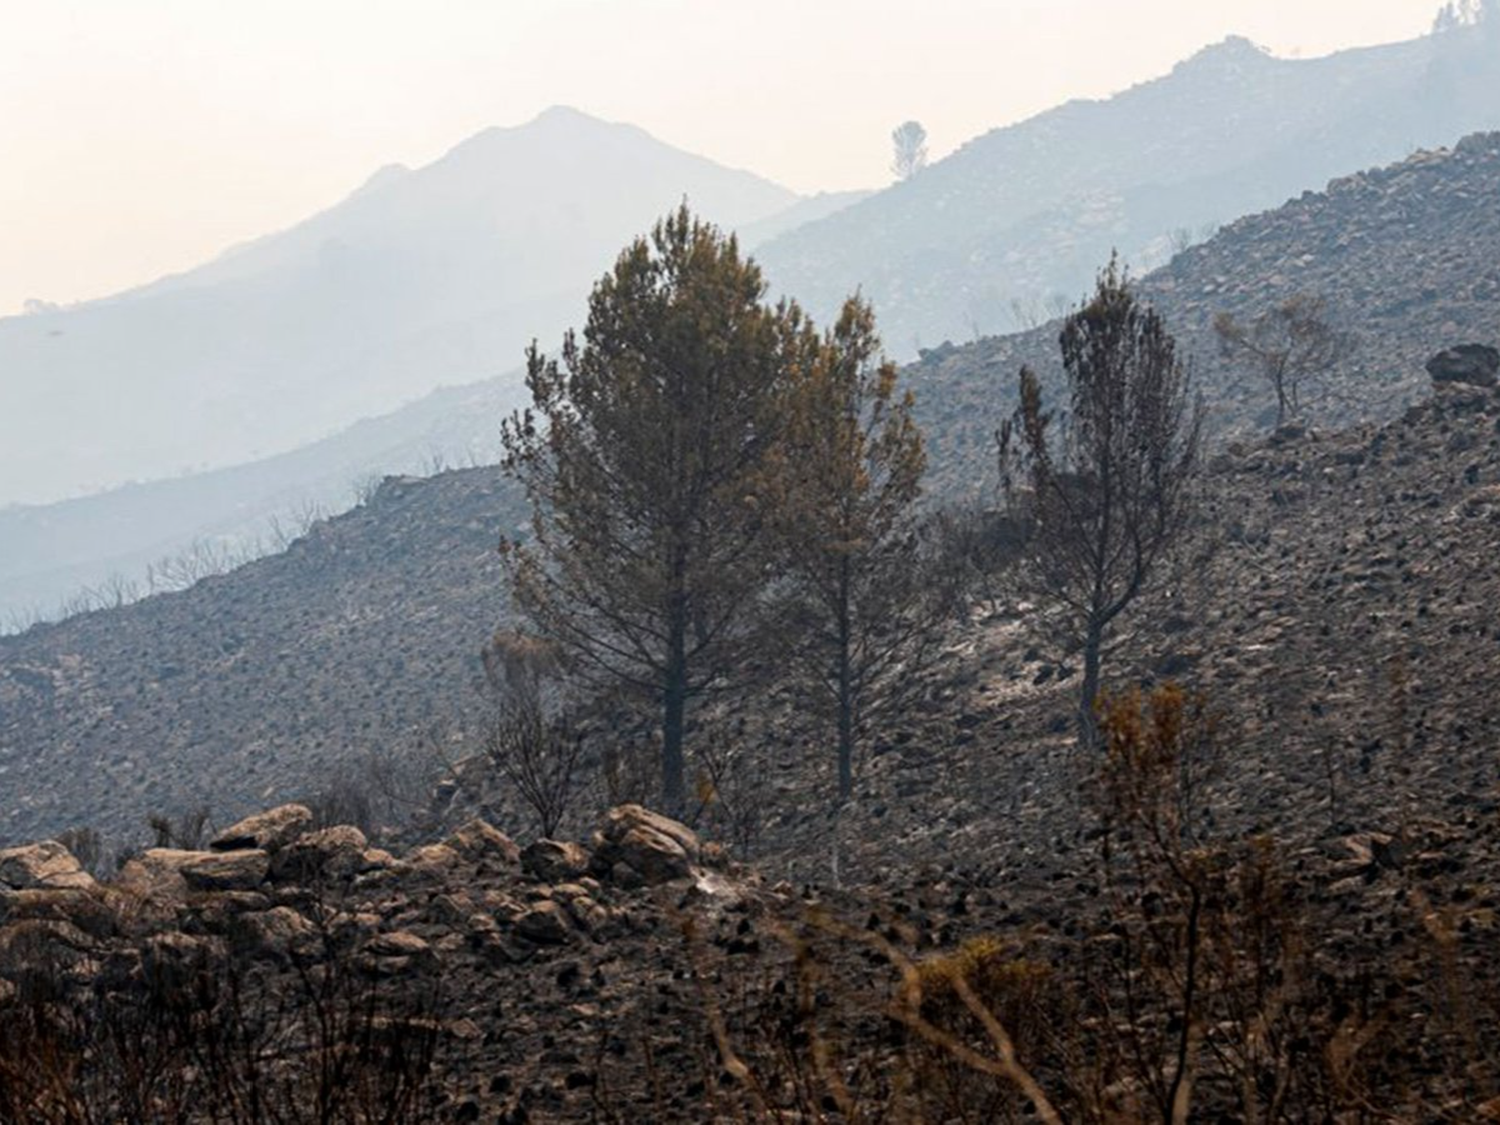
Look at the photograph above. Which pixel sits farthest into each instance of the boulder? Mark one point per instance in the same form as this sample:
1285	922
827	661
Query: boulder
175	960
89	910
45	864
266	831
478	841
169	871
157	873
546	923
332	853
1474	364
431	859
277	933
398	943
652	847
396	953
554	861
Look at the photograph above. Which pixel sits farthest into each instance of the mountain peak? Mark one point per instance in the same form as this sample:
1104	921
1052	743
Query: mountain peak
563	114
386	174
1234	50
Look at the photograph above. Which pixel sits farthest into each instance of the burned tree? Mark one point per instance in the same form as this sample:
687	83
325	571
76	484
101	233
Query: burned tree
1289	346
861	577
1102	491
909	149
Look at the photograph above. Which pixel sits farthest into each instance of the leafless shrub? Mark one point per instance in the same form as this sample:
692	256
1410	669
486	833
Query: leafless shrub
189	830
531	739
199	1034
87	847
364	487
1292	346
733	795
386	790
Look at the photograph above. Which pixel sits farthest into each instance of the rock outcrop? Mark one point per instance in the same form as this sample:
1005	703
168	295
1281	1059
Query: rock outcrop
636	846
47	864
1476	365
267	831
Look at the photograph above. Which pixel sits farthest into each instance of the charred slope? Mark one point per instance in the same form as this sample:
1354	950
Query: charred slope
256	685
1406	257
365	632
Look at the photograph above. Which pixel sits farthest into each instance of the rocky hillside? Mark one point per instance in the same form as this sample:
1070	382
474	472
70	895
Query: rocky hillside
364	637
364	634
1406	257
297	972
1032	209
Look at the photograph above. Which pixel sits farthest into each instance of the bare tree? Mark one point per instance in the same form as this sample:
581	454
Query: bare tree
909	142
530	738
1289	346
1101	493
1465	13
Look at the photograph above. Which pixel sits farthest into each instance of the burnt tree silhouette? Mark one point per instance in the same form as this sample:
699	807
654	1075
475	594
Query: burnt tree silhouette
1103	491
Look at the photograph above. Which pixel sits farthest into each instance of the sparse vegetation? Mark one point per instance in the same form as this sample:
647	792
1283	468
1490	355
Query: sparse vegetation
1292	347
532	741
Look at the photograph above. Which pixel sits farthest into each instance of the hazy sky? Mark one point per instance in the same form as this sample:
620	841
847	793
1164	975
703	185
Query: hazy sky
142	136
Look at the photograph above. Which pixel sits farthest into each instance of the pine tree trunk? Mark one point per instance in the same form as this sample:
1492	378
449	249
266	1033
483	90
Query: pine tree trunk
846	690
674	693
1088	727
846	746
674	707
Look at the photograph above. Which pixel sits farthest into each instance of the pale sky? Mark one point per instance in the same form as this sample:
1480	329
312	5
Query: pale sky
140	137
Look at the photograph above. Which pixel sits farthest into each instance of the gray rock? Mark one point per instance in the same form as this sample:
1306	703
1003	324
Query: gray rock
44	864
332	853
89	910
477	841
278	933
225	871
267	831
654	847
546	923
1474	364
554	861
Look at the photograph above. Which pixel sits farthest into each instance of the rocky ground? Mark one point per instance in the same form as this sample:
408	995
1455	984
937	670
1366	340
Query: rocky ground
297	974
1334	612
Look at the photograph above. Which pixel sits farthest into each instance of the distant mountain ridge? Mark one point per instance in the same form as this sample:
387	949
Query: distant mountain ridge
1034	208
1027	212
1406	256
423	277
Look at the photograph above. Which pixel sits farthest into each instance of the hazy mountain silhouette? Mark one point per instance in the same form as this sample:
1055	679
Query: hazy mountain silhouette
420	278
1033	209
414	280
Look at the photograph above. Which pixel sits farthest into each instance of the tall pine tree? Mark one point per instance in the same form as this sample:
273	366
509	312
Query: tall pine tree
641	454
845	481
